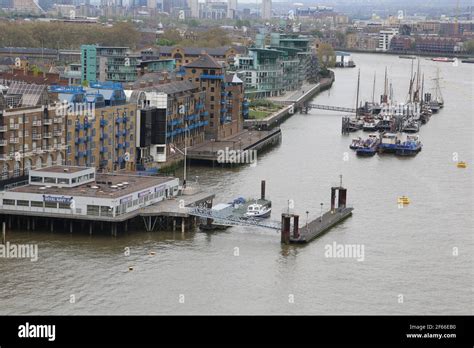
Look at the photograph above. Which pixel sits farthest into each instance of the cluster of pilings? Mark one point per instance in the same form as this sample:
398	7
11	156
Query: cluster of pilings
35	223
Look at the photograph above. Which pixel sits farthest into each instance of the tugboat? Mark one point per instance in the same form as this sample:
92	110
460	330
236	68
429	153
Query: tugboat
369	146
410	147
385	124
259	210
389	143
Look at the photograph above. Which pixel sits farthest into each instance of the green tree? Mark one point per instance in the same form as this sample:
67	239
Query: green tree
469	46
326	55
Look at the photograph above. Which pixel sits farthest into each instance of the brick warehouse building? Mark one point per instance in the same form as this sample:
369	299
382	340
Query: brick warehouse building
31	134
224	97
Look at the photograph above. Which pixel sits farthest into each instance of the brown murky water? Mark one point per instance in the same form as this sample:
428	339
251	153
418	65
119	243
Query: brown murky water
408	251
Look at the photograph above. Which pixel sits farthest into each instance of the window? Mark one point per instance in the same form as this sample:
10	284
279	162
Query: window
63	181
212	89
8	202
212	98
51	205
23	203
49	180
64	206
37	204
36	179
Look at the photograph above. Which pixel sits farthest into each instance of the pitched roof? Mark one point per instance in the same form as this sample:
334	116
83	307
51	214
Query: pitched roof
204	61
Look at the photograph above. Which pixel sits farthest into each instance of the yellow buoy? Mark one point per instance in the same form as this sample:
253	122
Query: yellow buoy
403	200
461	164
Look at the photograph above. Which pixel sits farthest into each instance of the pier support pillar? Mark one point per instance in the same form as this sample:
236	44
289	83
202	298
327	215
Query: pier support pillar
285	228
28	224
33	223
52	226
126	226
90	228
70	227
182	225
9	222
174	224
262	190
342	198
333	198
296	232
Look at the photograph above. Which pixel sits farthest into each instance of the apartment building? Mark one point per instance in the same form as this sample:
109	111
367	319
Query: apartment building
115	64
32	135
221	96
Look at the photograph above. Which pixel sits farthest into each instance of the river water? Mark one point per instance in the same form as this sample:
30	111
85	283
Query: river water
417	260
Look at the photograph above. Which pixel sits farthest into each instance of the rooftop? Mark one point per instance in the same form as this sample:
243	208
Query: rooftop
204	61
105	186
61	169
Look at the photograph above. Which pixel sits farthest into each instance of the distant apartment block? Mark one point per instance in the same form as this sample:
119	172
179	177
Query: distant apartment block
115	64
385	36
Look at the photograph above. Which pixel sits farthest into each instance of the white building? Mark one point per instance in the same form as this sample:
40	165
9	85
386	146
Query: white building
80	192
385	36
194	8
266	11
231	9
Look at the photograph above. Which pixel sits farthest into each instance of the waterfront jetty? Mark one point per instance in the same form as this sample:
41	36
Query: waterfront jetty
292	233
67	198
236	149
293	102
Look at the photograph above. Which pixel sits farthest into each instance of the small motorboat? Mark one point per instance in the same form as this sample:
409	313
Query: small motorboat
258	210
369	126
411	127
355	143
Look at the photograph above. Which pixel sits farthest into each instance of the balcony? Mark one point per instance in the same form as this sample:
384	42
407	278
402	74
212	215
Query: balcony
47	121
58	120
37	123
4	157
36	136
3	142
37	151
14	140
47	148
14	126
212	77
3	128
57	133
47	135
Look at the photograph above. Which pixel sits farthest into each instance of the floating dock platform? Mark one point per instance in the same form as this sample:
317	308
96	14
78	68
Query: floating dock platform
316	228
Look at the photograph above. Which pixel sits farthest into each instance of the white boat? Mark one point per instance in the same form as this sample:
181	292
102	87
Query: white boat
258	210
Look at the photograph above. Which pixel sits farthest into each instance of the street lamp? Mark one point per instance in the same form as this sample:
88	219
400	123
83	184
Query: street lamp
321	217
307	212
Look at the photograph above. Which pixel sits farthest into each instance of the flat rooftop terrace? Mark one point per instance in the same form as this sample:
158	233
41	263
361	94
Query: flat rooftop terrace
105	186
61	169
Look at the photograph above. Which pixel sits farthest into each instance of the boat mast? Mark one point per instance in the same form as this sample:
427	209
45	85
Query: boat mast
373	88
385	87
357	98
